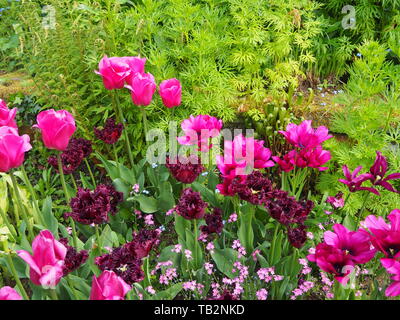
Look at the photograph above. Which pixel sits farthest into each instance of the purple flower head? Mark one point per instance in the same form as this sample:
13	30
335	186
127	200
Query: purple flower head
90	207
214	222
378	172
73	259
185	170
143	242
190	205
123	263
297	236
354	181
110	133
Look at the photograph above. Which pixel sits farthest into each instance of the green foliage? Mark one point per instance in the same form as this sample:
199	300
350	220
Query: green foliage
368	123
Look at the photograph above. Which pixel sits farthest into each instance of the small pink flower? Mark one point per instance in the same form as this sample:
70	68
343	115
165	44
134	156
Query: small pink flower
148	219
170	212
136	188
150	290
188	254
262	294
209	268
233	217
177	248
210	247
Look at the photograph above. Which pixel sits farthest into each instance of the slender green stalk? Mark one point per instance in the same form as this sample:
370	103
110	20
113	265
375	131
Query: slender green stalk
363	207
90	173
196	243
125	131
98	237
71	221
144	118
33	195
14	272
8	224
74	182
21	206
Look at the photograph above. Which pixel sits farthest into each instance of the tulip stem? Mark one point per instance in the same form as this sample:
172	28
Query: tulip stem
33	195
90	173
21	206
121	118
71	221
144	118
14	272
74	182
196	244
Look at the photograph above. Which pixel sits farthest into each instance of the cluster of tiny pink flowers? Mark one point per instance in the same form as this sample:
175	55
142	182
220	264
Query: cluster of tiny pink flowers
310	235
210	247
303	288
193	286
243	271
327	286
215	289
240	249
268	275
168	276
203	237
150	290
209	267
170	212
188	254
232	218
136	188
262	294
177	248
159	265
306	269
148	219
236	282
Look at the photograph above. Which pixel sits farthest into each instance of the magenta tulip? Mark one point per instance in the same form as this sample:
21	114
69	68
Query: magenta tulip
136	65
8	293
142	88
47	262
171	92
7	116
57	127
392	266
199	129
114	72
108	286
304	136
12	148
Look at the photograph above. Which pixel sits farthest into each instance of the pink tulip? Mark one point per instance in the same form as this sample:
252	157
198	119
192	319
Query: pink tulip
355	243
304	136
393	267
57	127
142	88
47	262
114	71
12	148
242	155
198	131
385	237
8	293
136	65
7	116
108	286
171	92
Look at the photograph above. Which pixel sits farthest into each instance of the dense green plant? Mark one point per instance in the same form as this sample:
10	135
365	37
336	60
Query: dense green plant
368	122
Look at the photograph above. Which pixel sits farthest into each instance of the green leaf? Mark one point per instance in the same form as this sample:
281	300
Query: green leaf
147	204
224	259
168	294
50	221
166	198
245	232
